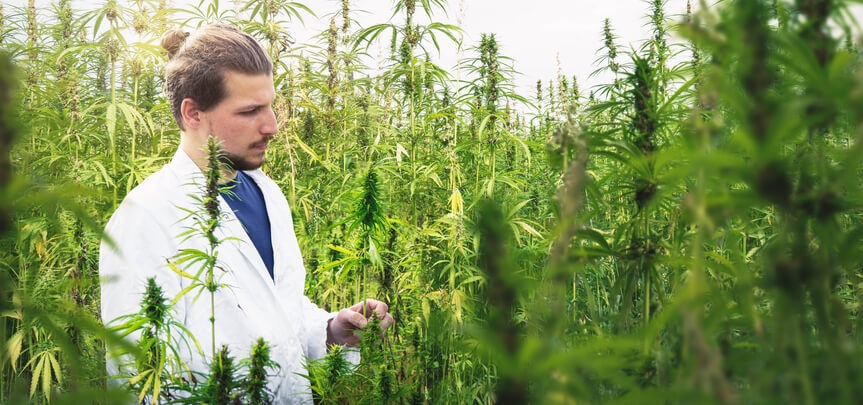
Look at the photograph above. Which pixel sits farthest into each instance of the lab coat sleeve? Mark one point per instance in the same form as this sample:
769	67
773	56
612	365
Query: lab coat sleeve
141	246
316	320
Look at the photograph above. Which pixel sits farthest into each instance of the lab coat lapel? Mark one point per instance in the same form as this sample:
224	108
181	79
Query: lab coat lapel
288	271
231	226
254	276
281	227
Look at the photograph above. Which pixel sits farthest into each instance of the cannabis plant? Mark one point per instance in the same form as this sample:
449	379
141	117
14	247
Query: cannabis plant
157	365
205	220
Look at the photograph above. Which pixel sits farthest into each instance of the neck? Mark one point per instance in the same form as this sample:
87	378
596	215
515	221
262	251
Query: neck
197	151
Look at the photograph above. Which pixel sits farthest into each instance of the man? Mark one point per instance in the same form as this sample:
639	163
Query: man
219	83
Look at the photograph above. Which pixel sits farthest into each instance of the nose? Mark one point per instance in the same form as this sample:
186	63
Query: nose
270	126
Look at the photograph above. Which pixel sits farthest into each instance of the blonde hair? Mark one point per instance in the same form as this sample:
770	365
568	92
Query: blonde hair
198	61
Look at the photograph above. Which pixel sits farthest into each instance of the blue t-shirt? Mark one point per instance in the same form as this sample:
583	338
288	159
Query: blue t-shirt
248	203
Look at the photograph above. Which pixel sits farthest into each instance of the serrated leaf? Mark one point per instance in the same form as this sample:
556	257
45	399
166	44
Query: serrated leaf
426	308
374	257
46	378
157	389
34	381
111	122
471	280
528	228
134	380
146	386
341	250
456	202
182	293
177	270
14	349
435	179
593	235
458	303
56	367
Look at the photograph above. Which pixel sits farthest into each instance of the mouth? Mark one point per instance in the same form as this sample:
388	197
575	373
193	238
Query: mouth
260	146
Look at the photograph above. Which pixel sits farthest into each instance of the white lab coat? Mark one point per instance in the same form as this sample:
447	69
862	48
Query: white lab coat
145	229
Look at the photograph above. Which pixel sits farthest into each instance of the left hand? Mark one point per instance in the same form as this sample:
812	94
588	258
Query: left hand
340	329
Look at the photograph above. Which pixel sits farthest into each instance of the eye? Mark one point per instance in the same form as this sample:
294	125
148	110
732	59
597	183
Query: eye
250	112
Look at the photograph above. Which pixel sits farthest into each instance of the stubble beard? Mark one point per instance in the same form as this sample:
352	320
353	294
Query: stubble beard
239	163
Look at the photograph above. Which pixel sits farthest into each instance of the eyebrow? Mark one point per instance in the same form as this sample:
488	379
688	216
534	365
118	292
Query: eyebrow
248	107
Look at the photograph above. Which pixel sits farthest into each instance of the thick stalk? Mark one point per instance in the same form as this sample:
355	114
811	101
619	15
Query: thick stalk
114	138
647	268
212	288
802	363
493	169
212	311
413	142
135	103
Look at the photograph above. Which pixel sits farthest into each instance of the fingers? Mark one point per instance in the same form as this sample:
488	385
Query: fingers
380	309
359	307
368	306
387	321
353	318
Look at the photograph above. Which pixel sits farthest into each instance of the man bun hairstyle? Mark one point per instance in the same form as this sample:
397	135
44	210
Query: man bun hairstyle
173	40
198	62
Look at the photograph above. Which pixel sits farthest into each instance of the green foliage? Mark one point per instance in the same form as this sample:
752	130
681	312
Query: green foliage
328	377
503	336
157	365
49	337
705	250
255	385
222	386
368	214
334	380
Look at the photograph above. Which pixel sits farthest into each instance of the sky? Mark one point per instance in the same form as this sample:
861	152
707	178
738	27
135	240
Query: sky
535	34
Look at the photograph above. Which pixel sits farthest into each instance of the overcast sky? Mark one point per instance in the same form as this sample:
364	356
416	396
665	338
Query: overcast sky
533	33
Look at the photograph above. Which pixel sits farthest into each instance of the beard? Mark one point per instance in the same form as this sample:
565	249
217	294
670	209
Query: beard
235	162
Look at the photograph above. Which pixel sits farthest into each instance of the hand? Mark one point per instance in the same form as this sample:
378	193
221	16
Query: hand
340	329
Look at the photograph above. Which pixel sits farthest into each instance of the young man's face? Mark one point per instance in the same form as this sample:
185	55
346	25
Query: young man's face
244	120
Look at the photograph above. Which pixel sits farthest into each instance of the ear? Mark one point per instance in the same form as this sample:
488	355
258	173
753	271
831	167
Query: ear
191	113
